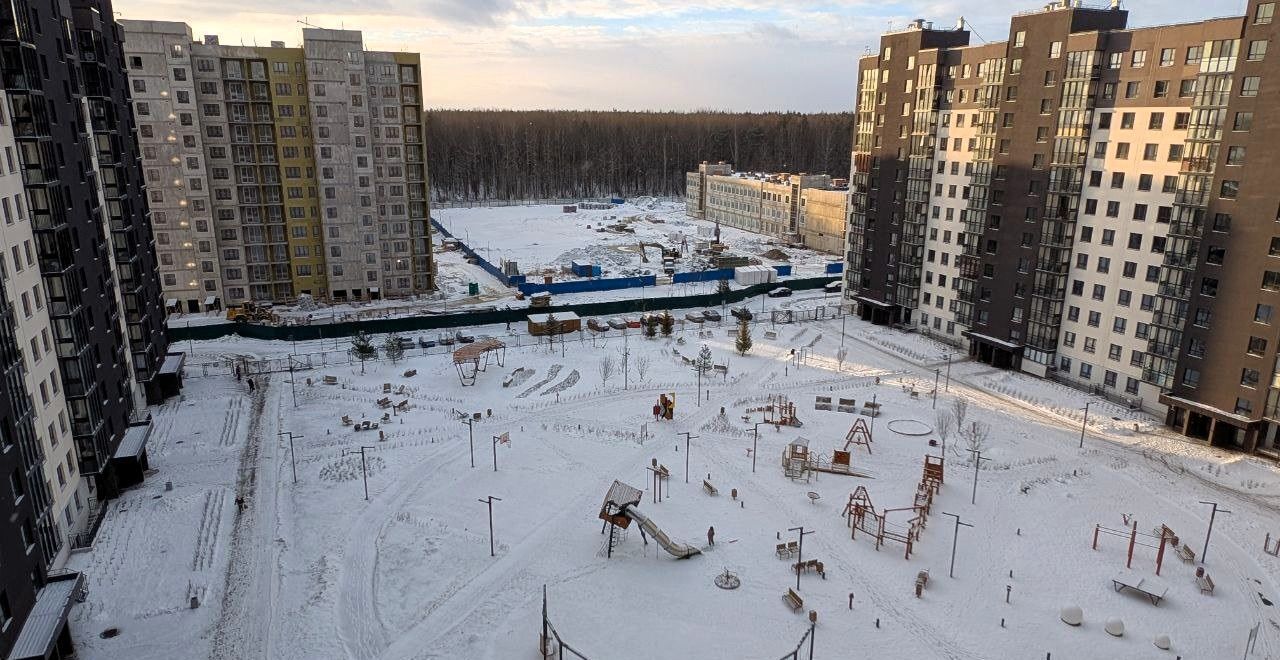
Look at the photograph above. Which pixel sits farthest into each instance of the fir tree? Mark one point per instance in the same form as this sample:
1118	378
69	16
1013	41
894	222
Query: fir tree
392	348
668	323
743	341
362	349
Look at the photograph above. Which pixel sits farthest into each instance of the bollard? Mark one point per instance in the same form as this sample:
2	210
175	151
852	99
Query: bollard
1001	623
1008	589
850	600
877	623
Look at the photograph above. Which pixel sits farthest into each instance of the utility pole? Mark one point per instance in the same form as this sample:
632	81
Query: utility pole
489	501
937	373
497	440
800	549
947	387
755	445
1212	515
687	438
626	353
293	383
292	455
955	536
1084	422
364	467
977	465
471	438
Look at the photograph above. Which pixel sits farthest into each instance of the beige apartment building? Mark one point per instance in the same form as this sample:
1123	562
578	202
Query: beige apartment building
279	171
803	209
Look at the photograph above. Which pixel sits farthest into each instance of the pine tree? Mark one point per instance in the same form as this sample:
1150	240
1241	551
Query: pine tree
668	323
723	288
650	326
743	342
362	349
392	348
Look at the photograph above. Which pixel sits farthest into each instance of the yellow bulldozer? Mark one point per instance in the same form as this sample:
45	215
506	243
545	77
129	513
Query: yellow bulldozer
252	313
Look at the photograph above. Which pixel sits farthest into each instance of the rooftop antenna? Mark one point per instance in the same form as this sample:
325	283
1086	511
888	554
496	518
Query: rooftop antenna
305	23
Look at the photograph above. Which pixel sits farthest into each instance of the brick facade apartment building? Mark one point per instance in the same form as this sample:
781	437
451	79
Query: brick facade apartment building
277	171
1085	202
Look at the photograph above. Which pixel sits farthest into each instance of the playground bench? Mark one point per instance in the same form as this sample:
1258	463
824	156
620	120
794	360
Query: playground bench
1186	553
793	548
794	600
411	373
403	405
820	569
346	421
386	388
384	402
711	490
1205	583
782	551
330	380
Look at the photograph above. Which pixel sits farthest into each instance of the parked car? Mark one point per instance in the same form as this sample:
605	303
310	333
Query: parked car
780	292
741	313
466	339
406	343
834	287
597	325
423	342
617	323
694	317
711	315
632	322
446	340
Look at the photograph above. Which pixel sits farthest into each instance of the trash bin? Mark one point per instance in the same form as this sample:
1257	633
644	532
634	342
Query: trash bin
473	289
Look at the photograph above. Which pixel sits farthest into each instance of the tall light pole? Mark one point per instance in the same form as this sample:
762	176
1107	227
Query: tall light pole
1084	422
937	373
977	465
489	501
799	550
955	536
687	438
755	445
292	455
947	387
471	436
293	382
1212	515
364	467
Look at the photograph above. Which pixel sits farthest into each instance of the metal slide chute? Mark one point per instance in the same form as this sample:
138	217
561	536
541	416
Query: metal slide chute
677	549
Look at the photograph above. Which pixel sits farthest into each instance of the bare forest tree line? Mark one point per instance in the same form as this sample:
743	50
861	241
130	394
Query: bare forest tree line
546	154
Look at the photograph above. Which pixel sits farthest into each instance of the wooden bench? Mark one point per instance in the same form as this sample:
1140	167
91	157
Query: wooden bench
411	373
403	405
1205	583
711	490
346	421
1186	554
384	402
794	600
793	549
782	551
330	380
386	388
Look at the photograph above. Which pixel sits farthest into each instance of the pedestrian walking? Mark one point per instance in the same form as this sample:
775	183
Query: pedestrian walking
251	386
711	535
237	373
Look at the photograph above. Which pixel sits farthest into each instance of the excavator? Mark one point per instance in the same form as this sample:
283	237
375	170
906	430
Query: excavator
667	253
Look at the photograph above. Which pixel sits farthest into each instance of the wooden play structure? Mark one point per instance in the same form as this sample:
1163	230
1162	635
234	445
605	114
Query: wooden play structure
800	463
665	408
861	515
1160	538
473	358
618	511
779	411
859	434
1270	548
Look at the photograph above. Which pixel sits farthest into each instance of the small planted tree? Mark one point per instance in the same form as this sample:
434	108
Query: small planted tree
743	341
944	420
668	323
392	348
975	436
362	349
641	364
606	369
650	326
552	328
702	365
722	289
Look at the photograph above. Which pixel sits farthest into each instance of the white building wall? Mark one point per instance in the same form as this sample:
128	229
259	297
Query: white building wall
948	204
1113	282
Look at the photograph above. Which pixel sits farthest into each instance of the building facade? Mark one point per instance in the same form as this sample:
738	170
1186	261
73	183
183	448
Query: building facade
1084	202
275	171
82	336
797	208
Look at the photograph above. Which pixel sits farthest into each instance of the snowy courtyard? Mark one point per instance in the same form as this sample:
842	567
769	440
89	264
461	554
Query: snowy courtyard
314	570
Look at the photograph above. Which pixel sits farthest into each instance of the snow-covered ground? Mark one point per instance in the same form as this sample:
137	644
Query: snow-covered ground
313	570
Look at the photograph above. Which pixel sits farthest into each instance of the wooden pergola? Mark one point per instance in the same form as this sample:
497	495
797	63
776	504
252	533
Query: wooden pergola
472	359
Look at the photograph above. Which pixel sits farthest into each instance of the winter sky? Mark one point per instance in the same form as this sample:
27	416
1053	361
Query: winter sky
750	55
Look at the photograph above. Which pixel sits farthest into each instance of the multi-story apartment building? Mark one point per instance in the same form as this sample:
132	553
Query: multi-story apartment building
798	208
1083	201
82	337
276	171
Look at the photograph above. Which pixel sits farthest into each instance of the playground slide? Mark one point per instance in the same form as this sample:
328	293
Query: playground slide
676	548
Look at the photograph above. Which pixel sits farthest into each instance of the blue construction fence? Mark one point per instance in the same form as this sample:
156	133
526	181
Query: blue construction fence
583	286
835	267
429	321
508	280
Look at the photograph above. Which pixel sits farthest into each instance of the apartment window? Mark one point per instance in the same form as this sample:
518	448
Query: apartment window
1020	39
1243	121
1108	91
1144	185
1262	314
1122	151
1090	345
1086	233
1257	50
1130	271
1114	351
1150	152
1230	189
1132	89
1161	89
1190	377
1086	370
1169	184
1082	261
1073	313
1153	274
1156	122
1055	49
1117	180
1166	56
1125	297
1209	286
1115	60
1243	406
1249	85
1263	14
1104	264
1249	378
1099	149
1135	241
1126	120
1235	155
1095	319
1186	89
1257	346
1104	120
1100	290
1194	53
1146	304
1271	280
1095	178
1139	59
1131	383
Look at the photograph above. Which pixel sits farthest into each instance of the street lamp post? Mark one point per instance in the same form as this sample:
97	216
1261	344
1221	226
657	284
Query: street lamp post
1084	422
955	536
687	438
937	373
364	467
1208	532
799	550
471	437
292	455
755	445
977	465
489	501
947	387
